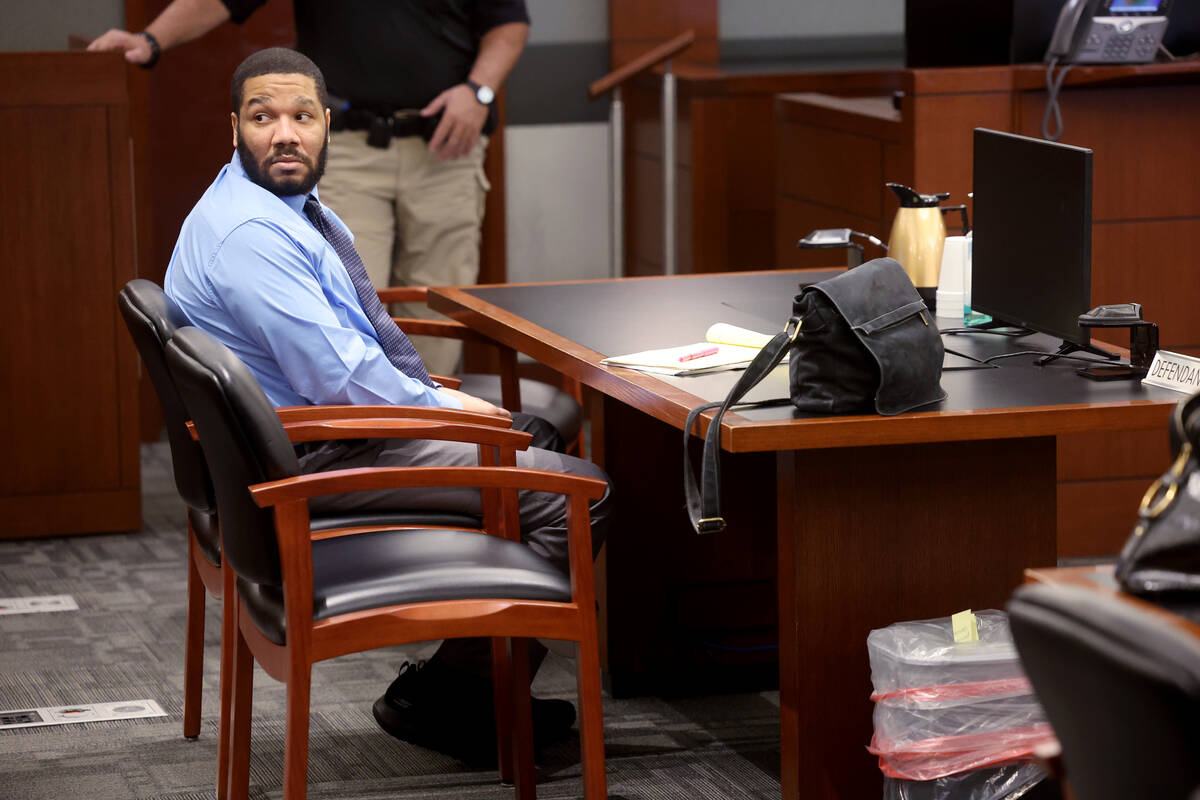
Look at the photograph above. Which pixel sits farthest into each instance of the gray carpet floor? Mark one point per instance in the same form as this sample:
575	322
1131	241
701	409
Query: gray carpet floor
126	643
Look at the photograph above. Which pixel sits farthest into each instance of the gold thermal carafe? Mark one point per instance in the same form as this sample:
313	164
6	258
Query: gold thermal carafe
918	235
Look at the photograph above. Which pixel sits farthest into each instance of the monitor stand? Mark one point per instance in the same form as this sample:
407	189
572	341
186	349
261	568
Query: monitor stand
1070	347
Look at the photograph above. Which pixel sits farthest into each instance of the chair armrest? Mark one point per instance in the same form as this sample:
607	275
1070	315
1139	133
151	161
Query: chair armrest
443	328
315	413
403	294
447	381
304	487
289	415
440	430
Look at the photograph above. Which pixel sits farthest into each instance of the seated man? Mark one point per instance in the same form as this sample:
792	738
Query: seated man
261	265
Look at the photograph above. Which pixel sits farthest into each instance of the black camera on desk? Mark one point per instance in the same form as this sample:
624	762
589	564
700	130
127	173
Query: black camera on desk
1143	340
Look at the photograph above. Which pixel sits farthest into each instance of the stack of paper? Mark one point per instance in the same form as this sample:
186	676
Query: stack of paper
726	347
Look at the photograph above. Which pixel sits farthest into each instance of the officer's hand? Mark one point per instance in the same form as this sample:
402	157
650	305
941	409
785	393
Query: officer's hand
135	48
462	119
475	404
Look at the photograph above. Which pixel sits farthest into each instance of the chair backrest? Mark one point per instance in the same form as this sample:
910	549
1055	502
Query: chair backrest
1121	687
152	319
243	442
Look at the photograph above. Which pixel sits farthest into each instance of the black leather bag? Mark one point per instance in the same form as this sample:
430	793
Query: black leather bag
1163	553
861	341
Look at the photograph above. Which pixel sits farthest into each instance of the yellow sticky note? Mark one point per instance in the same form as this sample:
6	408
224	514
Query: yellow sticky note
965	628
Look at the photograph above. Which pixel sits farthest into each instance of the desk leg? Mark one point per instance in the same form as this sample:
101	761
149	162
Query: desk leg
664	590
874	535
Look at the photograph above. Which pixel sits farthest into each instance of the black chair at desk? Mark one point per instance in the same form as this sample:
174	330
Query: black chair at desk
305	598
1121	687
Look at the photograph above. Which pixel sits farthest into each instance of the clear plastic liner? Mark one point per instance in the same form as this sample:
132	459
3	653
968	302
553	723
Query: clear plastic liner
943	709
1002	783
923	653
902	720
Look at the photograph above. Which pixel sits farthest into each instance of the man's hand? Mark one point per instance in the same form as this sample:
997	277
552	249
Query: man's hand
475	404
136	48
462	119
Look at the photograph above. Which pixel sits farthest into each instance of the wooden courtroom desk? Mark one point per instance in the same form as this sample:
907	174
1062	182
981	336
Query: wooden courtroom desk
836	153
845	524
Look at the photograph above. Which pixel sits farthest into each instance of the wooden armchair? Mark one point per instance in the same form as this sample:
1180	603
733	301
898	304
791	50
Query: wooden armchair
303	599
152	319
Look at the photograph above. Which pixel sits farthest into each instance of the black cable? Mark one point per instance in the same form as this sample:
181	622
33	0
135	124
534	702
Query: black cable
1053	86
982	364
1011	331
1103	362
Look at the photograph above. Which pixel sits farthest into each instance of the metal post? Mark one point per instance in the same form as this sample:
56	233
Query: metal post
668	159
616	130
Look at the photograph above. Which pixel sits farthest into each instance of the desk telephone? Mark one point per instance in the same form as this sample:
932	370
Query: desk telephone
1108	31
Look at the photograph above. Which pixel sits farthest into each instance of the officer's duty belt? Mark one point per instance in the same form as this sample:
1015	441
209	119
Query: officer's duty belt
382	123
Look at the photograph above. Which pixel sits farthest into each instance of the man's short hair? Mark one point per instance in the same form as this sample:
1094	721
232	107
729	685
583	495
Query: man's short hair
275	61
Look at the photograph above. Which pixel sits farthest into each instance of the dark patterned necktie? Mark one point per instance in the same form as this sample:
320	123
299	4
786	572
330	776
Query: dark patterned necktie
396	346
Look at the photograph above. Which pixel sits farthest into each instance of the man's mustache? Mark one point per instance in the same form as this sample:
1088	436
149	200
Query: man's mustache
289	152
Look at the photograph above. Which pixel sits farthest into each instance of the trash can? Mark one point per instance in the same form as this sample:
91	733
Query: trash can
953	720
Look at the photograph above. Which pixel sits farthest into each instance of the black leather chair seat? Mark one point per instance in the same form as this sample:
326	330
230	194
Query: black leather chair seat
537	398
383	568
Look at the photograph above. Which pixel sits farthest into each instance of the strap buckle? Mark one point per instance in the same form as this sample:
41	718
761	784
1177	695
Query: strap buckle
711	525
790	331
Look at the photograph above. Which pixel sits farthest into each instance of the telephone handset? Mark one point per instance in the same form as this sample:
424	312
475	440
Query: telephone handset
1108	31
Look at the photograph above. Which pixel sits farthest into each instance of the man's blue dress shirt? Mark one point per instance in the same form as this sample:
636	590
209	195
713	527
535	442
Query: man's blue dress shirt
250	269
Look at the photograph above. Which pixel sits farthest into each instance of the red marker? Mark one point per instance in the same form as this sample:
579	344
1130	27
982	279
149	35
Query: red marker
708	351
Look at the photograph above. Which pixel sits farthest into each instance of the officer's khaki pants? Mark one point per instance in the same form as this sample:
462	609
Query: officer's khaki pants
416	220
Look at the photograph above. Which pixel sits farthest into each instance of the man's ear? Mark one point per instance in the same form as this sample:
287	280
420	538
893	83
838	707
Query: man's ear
233	121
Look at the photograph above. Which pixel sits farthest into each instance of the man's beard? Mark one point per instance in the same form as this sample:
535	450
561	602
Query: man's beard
290	185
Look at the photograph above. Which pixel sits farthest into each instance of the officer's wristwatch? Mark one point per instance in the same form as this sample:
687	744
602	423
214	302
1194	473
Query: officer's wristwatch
484	94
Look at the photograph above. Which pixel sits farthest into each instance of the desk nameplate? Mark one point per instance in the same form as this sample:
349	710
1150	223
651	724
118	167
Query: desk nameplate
1174	371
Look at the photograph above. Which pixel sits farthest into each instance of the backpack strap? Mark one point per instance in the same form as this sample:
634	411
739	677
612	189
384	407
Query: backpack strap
704	502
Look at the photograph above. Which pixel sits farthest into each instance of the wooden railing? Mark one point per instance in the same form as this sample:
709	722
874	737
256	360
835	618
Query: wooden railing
612	82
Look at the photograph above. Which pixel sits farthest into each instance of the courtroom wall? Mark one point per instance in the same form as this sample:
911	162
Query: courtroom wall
772	19
556	147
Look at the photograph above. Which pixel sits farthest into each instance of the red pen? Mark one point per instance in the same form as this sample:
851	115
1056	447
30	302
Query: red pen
707	351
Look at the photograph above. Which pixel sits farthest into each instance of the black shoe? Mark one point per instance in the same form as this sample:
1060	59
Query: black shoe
453	713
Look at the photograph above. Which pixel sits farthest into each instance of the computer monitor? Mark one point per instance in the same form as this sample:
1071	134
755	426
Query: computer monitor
1032	252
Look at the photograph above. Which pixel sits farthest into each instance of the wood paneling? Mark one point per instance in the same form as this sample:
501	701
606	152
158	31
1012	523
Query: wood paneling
1120	454
68	413
1096	517
832	169
959	556
1150	262
727	154
653	641
1145	143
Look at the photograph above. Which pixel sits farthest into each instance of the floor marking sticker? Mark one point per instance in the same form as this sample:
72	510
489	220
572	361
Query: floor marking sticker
84	712
34	605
